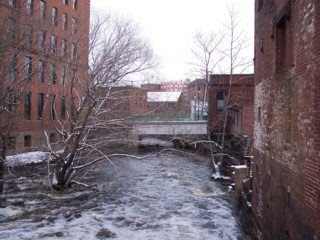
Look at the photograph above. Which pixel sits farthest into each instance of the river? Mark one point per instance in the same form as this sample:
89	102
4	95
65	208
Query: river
157	198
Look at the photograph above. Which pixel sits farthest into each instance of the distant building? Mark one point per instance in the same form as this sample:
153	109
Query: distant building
165	103
151	87
174	86
286	170
238	107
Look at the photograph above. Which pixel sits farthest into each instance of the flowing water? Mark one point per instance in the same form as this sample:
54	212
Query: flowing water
165	197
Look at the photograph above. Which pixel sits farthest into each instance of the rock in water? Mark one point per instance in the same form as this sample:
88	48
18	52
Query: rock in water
105	233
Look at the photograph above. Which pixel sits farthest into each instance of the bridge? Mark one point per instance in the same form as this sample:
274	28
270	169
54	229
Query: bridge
167	128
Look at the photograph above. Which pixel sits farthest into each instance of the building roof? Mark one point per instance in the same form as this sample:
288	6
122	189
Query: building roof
163	96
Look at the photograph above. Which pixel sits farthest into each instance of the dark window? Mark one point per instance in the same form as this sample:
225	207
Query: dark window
53	43
29	6
11	101
63	107
11	30
27	106
13	66
64	21
52	138
42	40
75	4
40	105
13	3
41	71
28	68
27	141
11	143
63	76
73	51
74	26
52	107
65	2
43	9
220	101
64	47
281	44
54	16
53	74
28	36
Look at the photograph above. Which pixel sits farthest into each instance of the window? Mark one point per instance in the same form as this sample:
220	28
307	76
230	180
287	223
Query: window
54	16
42	40
43	9
11	30
75	4
220	101
64	21
63	76
29	36
52	107
13	66
74	26
11	100
64	48
40	105
28	68
11	143
52	138
41	68
63	107
73	51
65	2
53	43
29	6
13	3
53	74
27	106
27	141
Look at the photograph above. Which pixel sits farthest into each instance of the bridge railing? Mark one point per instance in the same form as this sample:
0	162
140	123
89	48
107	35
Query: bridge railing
171	117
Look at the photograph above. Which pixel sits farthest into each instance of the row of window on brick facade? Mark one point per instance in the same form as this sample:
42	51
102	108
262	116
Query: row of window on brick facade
29	5
28	41
41	101
29	73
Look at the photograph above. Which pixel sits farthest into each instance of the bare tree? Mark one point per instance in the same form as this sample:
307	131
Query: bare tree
206	53
116	51
237	63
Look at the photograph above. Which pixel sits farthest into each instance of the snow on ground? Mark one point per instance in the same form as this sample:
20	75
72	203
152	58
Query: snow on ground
27	158
155	141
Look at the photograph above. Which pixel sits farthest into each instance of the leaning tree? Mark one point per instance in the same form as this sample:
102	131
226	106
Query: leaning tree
116	52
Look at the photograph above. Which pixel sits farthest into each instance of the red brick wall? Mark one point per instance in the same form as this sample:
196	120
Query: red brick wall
241	94
286	170
34	127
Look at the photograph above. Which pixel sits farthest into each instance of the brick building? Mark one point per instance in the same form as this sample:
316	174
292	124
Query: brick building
166	103
124	101
174	86
286	170
239	105
54	37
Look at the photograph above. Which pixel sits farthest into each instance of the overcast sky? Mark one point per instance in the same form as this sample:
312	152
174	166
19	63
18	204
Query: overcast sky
170	25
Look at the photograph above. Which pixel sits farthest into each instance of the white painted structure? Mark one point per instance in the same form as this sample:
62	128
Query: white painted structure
171	128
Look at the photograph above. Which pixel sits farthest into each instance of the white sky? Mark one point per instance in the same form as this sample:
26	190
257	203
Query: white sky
170	25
